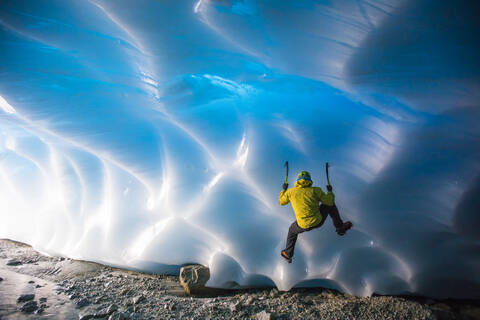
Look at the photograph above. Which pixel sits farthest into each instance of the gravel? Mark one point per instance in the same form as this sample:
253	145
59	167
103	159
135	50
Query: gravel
29	307
25	297
14	262
115	294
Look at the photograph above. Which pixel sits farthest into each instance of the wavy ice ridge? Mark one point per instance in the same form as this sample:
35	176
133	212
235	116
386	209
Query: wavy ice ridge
154	135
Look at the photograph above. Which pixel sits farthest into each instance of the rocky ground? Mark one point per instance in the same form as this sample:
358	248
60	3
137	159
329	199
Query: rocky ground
35	286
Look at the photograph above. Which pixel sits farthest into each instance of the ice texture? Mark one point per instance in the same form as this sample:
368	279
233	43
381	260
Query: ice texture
149	134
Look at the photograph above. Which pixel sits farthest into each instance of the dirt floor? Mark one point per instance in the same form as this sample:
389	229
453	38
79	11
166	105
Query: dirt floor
59	288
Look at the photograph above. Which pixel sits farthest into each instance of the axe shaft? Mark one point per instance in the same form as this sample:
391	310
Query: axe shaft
286	166
328	178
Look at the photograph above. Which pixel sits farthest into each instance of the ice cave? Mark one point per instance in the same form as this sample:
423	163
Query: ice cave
152	134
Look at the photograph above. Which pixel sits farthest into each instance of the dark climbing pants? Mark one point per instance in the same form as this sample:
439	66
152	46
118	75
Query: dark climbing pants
295	229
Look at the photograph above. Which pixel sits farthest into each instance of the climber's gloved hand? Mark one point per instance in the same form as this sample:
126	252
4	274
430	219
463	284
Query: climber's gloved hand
285	186
329	188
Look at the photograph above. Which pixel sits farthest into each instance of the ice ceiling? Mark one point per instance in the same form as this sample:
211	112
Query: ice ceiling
150	134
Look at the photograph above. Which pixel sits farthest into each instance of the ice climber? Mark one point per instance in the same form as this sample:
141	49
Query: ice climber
310	214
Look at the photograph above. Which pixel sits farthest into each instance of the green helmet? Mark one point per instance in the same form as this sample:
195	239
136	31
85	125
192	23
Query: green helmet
304	175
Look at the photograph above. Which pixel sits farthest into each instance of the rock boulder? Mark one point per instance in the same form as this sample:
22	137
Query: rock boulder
193	278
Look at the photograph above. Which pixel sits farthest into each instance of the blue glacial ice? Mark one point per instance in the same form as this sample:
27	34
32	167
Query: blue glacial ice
154	134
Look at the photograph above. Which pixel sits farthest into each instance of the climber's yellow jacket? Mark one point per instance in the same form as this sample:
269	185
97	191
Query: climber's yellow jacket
305	202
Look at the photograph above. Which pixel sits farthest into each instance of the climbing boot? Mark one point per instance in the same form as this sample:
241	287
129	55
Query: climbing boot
343	229
286	257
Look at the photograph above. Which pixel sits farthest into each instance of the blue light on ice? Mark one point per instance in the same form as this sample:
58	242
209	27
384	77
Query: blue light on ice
154	135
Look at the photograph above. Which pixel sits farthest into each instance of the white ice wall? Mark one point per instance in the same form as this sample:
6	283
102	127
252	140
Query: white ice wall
152	135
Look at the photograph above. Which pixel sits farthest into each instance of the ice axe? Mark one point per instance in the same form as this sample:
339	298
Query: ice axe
326	169
286	166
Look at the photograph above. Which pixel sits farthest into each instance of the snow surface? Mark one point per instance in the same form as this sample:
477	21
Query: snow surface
150	134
